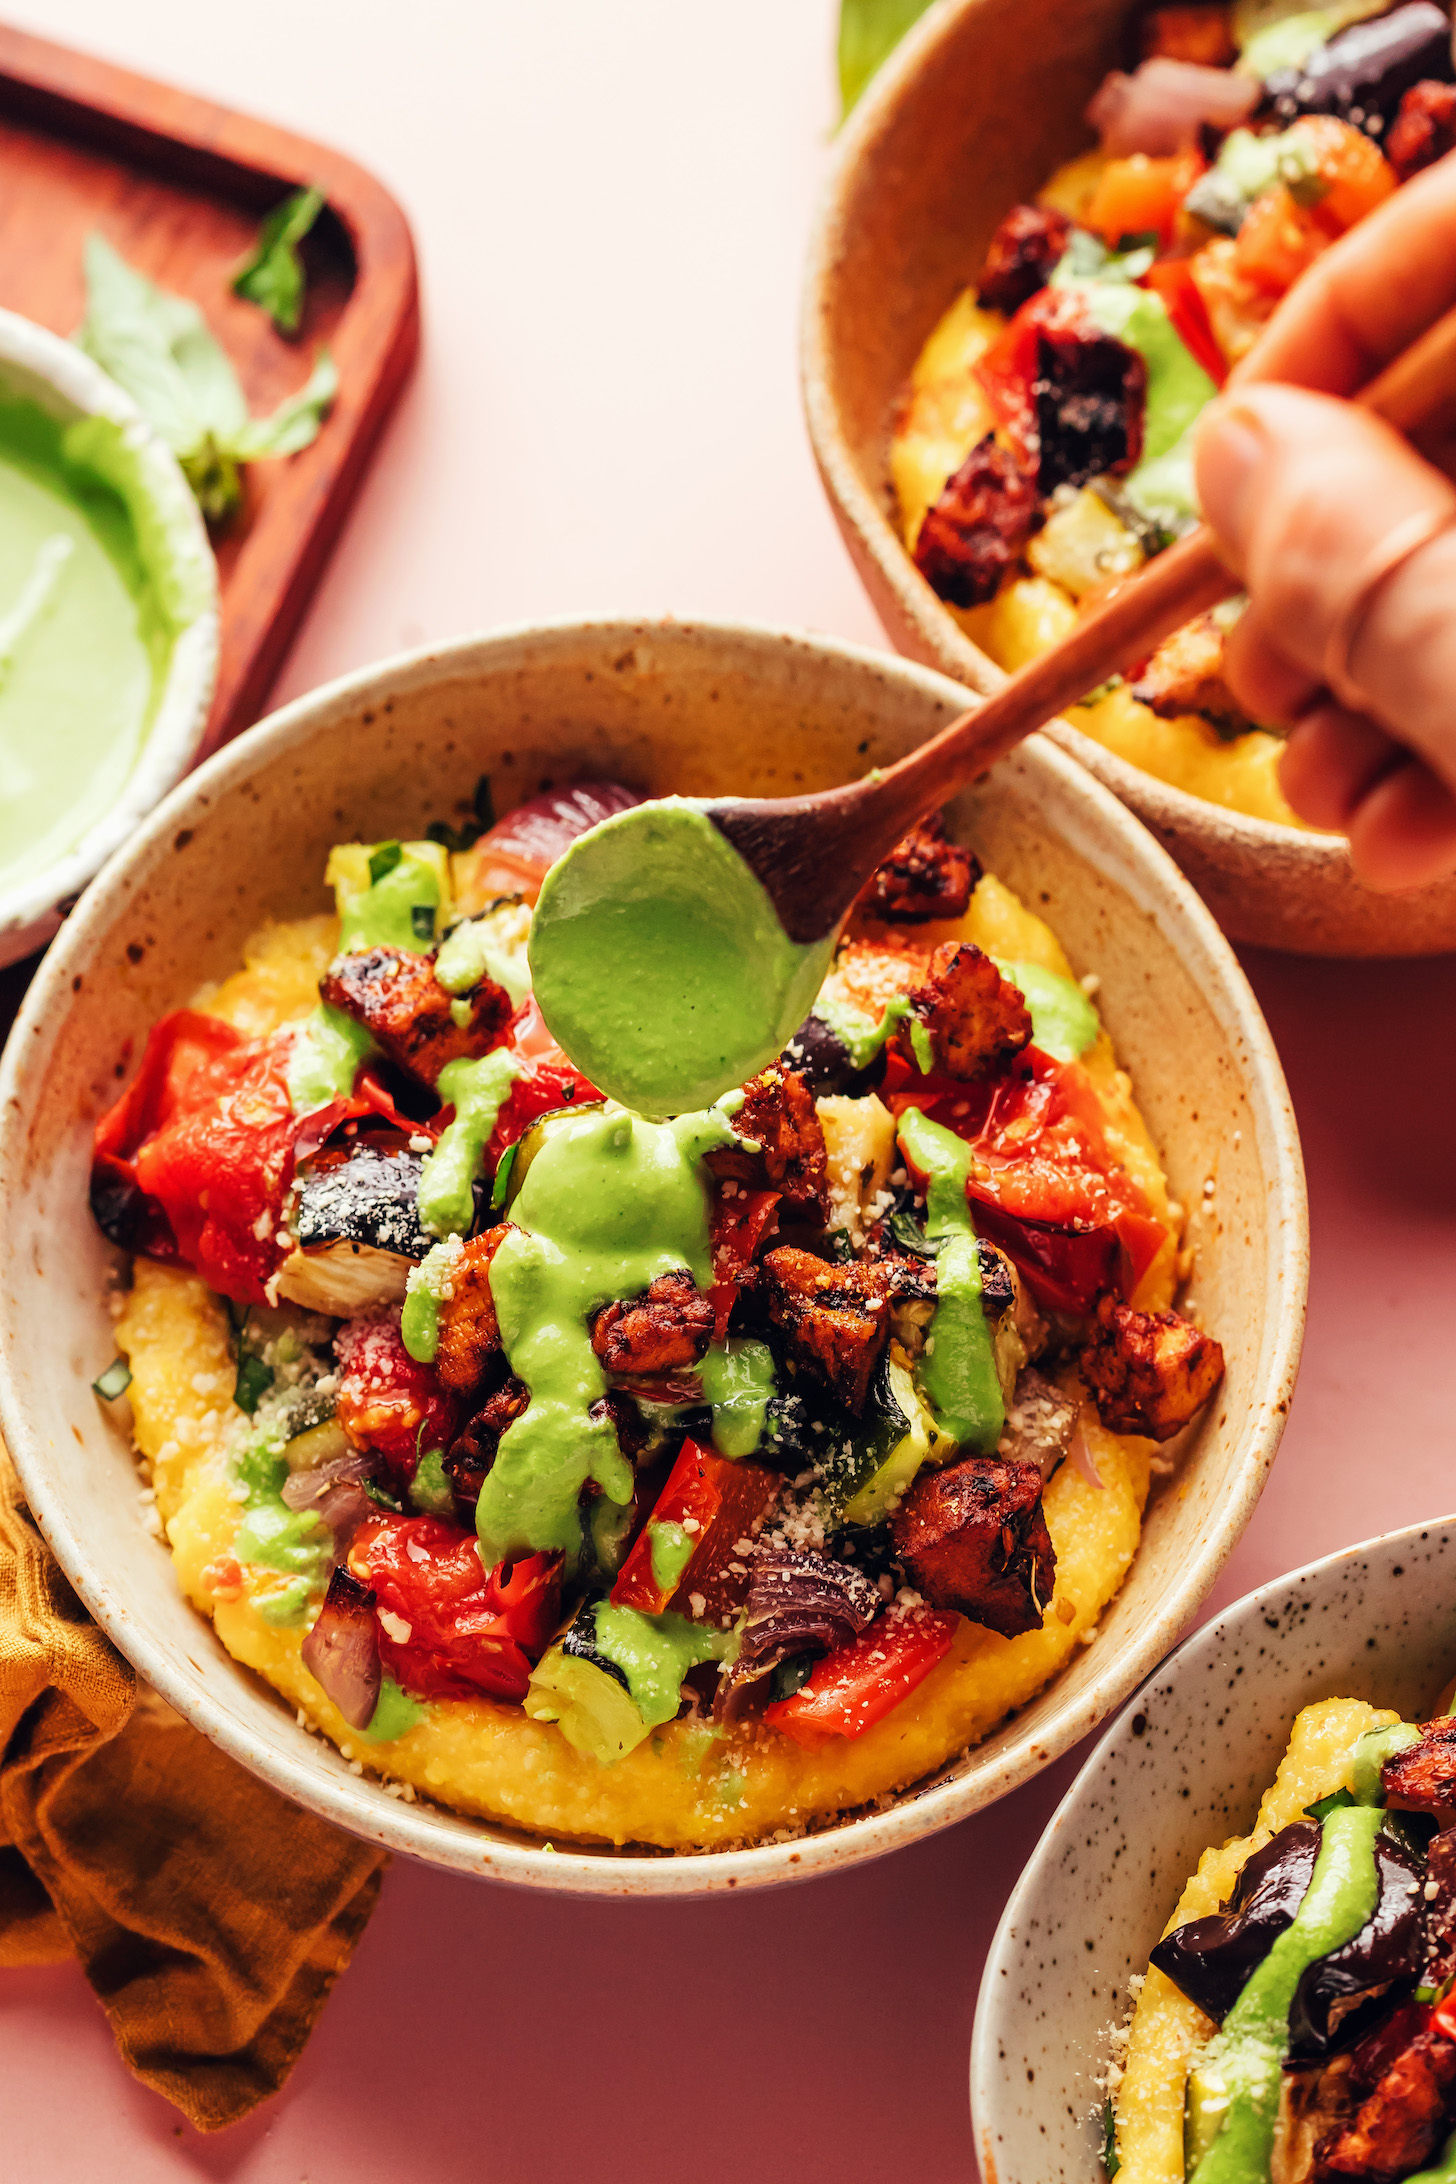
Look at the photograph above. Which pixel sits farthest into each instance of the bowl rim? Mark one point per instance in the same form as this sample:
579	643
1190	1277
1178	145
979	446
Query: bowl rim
1209	1638
857	507
179	724
915	1812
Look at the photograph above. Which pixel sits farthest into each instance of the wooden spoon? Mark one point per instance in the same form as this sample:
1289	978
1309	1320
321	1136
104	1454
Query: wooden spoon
814	853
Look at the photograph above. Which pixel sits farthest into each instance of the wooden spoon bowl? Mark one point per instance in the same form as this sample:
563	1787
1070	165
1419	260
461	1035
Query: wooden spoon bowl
980	104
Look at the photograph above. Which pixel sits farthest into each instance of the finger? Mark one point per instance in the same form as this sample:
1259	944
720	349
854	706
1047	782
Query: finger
1369	296
1331	763
1266	682
1303	491
1403	834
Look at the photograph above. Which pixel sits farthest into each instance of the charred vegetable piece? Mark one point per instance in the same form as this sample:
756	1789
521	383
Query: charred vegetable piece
515	855
357	1227
470	1456
1333	2001
799	1603
1401	2122
1424	130
971	1015
665	1329
778	1113
690	1543
925	876
341	1652
402	1004
836	1318
468	1332
1089	393
1363	73
1149	1372
974	1538
1185	675
447	1629
975	533
1020	256
821	1056
1422	1778
1040	1423
859	1683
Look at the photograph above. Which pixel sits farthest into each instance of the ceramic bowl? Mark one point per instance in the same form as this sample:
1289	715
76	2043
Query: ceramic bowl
1184	1767
971	115
663	706
38	366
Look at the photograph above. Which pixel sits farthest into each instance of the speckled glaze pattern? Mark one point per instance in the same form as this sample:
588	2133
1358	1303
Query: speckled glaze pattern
971	114
665	706
1183	1767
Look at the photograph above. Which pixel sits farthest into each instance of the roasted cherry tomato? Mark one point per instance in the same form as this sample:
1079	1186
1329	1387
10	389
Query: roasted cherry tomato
858	1684
446	1629
706	1507
739	1222
386	1400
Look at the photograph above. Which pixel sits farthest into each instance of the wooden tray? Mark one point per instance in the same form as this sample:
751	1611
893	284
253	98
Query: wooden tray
178	186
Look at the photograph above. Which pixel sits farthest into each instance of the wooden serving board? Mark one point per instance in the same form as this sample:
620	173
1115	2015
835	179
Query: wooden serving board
178	185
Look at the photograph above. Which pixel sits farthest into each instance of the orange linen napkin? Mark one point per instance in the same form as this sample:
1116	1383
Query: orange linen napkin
210	1915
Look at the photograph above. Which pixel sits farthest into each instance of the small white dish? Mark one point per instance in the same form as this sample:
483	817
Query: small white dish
701	709
1183	1767
38	366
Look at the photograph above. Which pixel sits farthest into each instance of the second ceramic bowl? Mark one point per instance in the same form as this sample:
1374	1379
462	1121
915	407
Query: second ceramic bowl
984	99
1183	1768
665	707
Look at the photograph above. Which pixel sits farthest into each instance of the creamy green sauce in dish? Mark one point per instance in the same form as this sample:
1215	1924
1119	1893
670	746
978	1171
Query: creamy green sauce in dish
92	597
659	962
958	1369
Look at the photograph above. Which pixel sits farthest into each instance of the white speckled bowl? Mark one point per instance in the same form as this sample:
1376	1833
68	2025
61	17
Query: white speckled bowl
1182	1768
38	366
665	706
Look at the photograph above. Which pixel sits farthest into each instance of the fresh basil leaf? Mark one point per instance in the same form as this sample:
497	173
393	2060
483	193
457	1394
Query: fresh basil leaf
273	276
1111	2160
296	421
253	1382
383	861
837	1247
1324	1806
114	1381
869	31
910	1236
382	1499
422	919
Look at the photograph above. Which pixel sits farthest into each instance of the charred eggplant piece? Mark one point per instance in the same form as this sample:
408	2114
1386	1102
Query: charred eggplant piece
357	1229
1090	392
819	1054
1364	71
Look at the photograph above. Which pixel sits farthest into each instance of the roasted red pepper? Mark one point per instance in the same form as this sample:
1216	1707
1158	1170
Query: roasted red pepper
856	1686
716	1503
446	1629
387	1401
195	1159
1172	279
548	1080
739	1222
1045	1189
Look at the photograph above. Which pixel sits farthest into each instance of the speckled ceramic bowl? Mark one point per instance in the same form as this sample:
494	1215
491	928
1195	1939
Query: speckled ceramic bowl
664	706
1184	1767
972	113
38	366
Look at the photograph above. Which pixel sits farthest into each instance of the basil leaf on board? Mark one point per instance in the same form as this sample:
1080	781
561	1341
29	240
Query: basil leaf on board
272	276
869	31
160	349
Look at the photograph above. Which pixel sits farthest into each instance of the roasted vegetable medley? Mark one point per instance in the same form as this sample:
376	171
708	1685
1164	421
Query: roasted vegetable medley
1302	2026
1044	449
737	1418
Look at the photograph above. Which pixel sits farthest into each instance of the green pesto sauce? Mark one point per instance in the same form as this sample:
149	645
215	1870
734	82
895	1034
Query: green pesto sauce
1063	1021
654	1653
659	963
672	1551
381	915
394	1713
419	1327
1371	1753
280	1538
477	1091
609	1202
738	1379
1243	2059
328	1049
94	589
285	1610
958	1368
477	949
1445	2169
430	1488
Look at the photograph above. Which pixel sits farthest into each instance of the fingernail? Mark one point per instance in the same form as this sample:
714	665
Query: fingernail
1231	447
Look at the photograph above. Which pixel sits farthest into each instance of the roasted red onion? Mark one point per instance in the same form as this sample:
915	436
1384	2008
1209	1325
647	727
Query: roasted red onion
515	856
334	1493
341	1652
1162	108
797	1603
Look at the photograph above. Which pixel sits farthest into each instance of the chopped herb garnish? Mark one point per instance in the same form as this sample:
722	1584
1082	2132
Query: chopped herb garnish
837	1247
272	275
1322	1809
791	1675
1111	2159
377	1494
422	918
502	1181
383	860
469	832
253	1381
910	1236
114	1381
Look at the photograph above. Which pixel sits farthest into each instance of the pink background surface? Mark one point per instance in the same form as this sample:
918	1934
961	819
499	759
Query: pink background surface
610	203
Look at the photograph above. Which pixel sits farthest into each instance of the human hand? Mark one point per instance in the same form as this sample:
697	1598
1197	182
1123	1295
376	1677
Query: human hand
1346	539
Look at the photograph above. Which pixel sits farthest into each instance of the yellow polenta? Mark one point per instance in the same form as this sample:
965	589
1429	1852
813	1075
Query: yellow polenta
685	1787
